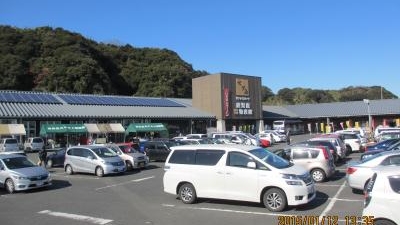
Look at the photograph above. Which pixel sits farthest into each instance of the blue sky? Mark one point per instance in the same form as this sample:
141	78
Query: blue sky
289	43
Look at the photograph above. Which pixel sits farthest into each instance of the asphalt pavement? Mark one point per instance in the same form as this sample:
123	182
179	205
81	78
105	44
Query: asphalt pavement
137	197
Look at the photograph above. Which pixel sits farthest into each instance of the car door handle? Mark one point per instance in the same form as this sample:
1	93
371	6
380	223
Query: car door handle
220	172
228	173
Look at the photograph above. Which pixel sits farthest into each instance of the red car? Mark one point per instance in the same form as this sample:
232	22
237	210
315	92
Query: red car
265	143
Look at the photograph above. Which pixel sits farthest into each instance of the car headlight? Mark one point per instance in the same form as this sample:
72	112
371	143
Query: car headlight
20	177
292	179
290	176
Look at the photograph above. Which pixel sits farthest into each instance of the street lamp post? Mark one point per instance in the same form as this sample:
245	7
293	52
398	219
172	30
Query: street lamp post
369	115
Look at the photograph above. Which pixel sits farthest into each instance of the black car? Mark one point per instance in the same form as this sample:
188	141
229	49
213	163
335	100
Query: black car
158	150
56	158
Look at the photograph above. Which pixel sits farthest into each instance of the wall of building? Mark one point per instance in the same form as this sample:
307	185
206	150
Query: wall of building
206	93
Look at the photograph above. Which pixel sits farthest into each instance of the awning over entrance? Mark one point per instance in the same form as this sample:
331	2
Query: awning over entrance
145	127
12	129
62	128
98	128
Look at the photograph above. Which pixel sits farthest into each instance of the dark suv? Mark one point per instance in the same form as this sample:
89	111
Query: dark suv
158	150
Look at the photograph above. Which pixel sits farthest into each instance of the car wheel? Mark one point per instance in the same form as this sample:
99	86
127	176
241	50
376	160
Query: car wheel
383	222
129	165
99	171
187	193
69	170
49	163
274	200
10	187
318	175
348	150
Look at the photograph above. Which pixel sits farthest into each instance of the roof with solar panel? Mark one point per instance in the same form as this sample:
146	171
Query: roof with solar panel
38	104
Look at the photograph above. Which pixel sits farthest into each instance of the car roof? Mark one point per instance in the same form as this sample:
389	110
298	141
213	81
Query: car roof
230	147
8	156
90	146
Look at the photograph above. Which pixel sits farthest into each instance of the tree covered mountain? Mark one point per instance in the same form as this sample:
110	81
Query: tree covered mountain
287	96
57	60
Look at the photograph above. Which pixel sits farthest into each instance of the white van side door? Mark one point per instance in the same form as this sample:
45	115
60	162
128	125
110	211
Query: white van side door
241	182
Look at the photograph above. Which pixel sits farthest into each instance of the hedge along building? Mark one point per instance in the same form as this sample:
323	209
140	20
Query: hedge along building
35	109
234	99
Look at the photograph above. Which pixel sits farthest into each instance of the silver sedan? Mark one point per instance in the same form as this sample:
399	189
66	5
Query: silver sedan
17	173
359	173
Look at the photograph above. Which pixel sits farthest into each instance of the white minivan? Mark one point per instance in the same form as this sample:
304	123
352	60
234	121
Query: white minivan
236	172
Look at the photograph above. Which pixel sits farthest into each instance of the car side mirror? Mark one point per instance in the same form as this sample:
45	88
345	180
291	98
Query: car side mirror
251	165
90	157
1	168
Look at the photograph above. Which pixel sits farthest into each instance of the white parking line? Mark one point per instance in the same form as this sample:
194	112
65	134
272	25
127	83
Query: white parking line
333	200
83	218
342	199
131	181
74	176
226	210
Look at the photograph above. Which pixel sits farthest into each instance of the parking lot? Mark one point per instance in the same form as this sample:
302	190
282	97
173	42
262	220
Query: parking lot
137	198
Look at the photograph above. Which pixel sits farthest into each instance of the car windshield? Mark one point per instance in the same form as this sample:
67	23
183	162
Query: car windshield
394	145
104	152
270	158
18	163
115	149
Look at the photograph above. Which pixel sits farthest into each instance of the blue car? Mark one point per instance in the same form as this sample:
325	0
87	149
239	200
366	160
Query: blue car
382	145
56	158
393	147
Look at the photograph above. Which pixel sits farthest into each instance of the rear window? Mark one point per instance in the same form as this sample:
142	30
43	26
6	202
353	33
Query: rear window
11	141
394	182
183	157
37	140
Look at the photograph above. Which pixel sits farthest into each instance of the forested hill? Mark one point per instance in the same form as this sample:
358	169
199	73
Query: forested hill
57	60
294	96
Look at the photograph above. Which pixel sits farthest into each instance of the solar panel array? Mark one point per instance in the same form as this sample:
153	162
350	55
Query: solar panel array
22	97
117	101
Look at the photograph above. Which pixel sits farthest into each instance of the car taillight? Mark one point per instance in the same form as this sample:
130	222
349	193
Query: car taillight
351	170
326	155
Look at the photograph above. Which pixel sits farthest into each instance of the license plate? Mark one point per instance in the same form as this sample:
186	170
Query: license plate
141	164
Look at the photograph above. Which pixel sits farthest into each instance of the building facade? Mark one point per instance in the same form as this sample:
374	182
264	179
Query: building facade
234	99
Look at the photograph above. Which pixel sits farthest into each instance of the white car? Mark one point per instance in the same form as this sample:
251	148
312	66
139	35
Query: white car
352	140
33	144
9	145
17	173
278	137
236	172
359	173
382	197
133	159
266	136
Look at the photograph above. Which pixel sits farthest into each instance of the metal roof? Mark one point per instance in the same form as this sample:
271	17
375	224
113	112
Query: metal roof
335	109
29	110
